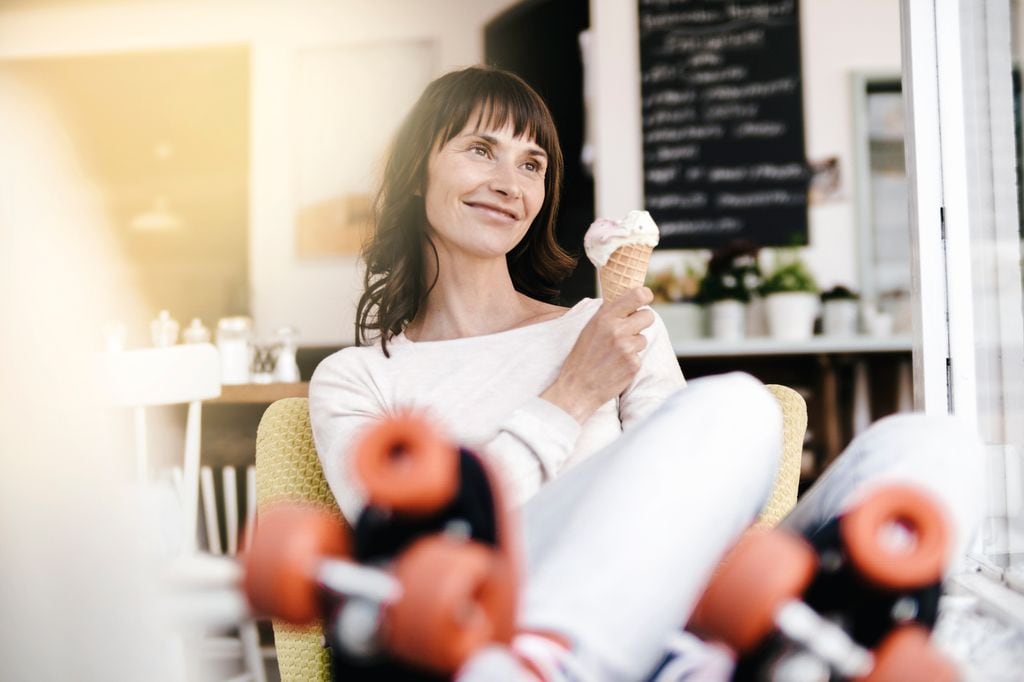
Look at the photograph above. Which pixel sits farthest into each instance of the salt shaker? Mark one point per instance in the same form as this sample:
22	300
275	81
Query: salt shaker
164	330
287	368
196	332
234	341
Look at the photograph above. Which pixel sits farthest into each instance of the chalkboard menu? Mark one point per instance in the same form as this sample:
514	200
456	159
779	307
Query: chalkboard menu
723	125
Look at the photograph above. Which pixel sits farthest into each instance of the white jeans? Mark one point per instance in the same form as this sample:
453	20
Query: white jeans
618	549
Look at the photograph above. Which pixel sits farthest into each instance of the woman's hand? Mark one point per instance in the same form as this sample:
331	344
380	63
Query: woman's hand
606	356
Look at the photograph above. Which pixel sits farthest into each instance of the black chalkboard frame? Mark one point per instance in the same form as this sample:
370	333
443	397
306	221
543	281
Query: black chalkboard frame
723	122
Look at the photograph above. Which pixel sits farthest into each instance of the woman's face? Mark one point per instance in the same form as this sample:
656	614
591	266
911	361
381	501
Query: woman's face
484	188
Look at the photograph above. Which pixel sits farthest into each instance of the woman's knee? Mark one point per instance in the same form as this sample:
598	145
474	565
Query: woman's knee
939	453
734	419
918	442
736	393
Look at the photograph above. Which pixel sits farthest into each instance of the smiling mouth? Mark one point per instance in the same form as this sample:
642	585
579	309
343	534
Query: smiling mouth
504	213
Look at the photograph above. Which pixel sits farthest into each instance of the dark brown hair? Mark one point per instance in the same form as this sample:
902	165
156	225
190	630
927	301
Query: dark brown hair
394	285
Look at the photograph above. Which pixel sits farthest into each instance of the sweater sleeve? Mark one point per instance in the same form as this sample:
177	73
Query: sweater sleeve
343	401
658	378
530	447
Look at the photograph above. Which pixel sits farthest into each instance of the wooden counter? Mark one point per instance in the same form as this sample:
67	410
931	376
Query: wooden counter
260	394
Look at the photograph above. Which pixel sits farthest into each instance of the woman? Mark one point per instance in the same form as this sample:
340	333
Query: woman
653	482
458	273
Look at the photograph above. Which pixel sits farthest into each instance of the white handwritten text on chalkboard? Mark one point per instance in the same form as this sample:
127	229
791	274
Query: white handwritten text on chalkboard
723	121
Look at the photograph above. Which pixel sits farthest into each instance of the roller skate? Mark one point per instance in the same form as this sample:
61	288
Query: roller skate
854	601
425	579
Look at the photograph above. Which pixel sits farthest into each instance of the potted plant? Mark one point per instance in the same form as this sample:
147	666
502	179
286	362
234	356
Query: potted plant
791	298
839	307
732	276
675	301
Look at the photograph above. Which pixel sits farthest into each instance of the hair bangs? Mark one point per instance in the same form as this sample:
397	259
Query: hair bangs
493	104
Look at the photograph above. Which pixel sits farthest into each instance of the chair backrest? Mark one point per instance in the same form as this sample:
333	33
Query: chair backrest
288	470
246	646
787	480
150	377
223	511
186	374
163	376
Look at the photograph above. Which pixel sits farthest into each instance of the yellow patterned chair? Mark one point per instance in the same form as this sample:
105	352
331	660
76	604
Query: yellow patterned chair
287	470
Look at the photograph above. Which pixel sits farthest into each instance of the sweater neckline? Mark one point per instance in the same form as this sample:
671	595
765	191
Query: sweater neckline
403	340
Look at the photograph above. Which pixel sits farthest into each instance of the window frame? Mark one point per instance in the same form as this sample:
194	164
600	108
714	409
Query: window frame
949	222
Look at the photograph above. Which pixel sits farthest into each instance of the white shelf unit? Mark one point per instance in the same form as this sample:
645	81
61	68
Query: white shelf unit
817	345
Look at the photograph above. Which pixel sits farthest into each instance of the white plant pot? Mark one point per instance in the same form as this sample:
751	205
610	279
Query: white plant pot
683	320
839	317
791	315
727	320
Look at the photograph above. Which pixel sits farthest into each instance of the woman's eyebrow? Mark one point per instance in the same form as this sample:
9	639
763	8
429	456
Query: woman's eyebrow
491	139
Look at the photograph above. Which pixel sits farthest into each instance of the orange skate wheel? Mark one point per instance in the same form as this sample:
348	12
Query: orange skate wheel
907	655
406	465
760	573
281	563
919	560
457	596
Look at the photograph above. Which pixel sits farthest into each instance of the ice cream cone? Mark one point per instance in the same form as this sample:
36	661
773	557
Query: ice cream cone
621	250
626	269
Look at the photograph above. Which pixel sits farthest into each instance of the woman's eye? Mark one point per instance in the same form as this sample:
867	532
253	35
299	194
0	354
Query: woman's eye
480	150
533	167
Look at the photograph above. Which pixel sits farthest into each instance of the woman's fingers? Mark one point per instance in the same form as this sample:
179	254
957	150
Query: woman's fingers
624	314
627	304
624	319
631	346
638	321
605	357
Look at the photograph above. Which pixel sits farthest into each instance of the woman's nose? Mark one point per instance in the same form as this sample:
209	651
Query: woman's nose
504	181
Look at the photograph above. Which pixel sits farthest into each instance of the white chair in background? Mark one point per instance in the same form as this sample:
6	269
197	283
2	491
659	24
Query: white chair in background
187	375
228	647
175	375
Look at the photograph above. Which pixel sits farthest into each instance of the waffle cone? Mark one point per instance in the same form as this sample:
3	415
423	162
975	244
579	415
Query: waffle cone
626	269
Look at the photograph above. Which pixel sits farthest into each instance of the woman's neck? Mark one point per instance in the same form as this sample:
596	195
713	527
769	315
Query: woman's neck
473	299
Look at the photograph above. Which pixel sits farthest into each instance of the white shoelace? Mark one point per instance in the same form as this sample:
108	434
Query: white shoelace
693	660
554	661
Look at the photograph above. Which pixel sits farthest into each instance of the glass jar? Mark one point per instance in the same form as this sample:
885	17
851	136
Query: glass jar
287	367
234	341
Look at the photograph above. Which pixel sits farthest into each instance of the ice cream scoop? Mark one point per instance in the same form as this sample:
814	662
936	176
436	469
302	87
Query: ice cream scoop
621	250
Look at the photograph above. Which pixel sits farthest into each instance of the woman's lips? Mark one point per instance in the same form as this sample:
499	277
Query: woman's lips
493	211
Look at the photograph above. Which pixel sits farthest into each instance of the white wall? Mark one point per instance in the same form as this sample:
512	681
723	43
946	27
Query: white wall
838	37
318	296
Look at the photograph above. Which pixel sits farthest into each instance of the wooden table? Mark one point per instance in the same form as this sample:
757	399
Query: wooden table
260	394
230	421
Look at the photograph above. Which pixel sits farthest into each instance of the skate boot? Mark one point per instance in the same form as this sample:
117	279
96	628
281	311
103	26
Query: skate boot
425	579
854	601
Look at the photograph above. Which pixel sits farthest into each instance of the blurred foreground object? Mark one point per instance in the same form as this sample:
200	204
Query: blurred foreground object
426	577
78	596
83	591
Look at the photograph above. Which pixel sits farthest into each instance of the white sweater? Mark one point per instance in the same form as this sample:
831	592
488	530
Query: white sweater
483	391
